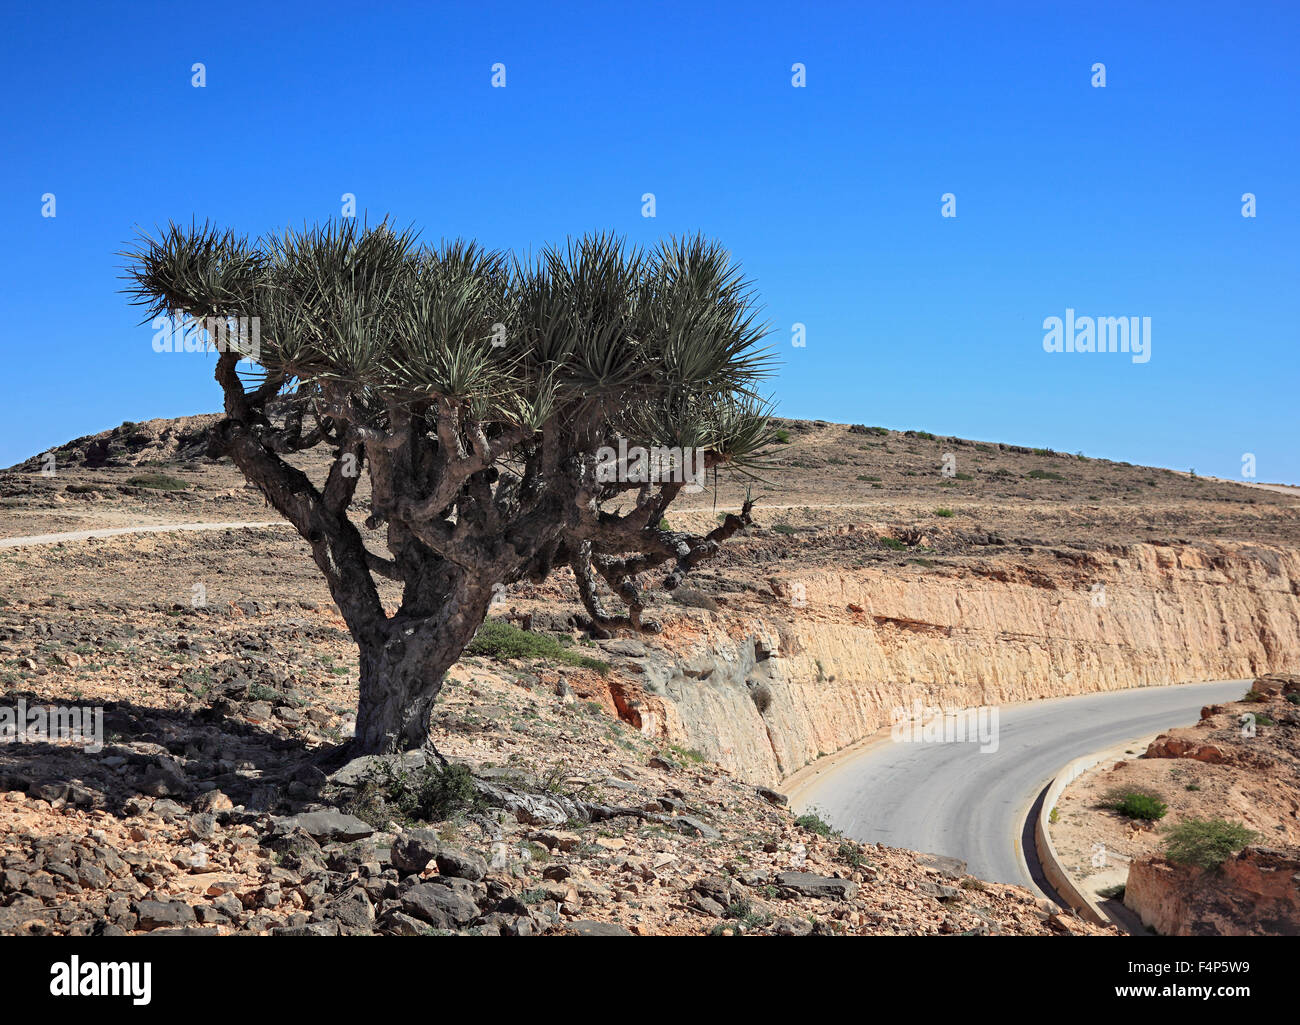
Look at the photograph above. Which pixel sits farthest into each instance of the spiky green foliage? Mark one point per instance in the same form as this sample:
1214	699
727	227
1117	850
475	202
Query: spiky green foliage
661	347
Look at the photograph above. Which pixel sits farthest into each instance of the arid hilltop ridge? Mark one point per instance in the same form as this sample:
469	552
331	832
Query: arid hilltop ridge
824	474
874	580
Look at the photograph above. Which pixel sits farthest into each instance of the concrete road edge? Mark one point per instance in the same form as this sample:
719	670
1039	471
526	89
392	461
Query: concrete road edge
1086	905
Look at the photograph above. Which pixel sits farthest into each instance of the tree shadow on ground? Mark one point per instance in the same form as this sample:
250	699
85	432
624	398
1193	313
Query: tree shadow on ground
180	754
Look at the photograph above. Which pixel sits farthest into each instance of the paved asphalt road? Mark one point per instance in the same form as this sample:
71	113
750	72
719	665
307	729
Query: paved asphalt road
949	798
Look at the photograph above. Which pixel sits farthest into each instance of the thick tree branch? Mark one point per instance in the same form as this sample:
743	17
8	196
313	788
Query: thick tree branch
336	545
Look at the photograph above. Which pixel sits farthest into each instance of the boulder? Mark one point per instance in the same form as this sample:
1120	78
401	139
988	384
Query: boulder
360	770
461	864
806	884
438	905
589	927
1165	746
413	851
353	910
327	825
157	914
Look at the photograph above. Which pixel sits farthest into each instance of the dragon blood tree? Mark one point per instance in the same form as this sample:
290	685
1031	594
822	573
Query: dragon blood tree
482	395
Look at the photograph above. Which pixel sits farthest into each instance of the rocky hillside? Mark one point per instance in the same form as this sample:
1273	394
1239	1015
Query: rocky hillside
129	444
874	579
206	811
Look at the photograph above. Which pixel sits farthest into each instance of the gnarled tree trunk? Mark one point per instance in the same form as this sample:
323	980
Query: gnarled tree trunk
398	688
403	665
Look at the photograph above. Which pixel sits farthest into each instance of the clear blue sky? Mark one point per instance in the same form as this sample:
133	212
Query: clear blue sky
1122	201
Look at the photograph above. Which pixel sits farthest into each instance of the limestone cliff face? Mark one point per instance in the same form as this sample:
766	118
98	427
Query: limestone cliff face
767	690
1253	894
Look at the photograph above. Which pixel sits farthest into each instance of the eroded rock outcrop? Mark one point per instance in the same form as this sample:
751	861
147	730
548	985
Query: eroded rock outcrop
764	691
1255	893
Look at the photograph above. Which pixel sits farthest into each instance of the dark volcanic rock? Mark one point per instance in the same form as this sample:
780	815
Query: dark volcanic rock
156	914
438	905
587	927
461	864
808	885
413	851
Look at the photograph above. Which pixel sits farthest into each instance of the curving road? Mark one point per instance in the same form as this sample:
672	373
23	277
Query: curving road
949	798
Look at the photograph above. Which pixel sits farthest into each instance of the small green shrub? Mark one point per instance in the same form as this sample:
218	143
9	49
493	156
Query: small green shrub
782	437
1136	804
744	912
501	641
430	794
814	823
851	854
1115	892
157	482
1206	843
944	512
738	908
1045	475
1140	806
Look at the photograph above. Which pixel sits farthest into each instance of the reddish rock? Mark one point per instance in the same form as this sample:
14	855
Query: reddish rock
1165	746
1253	894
